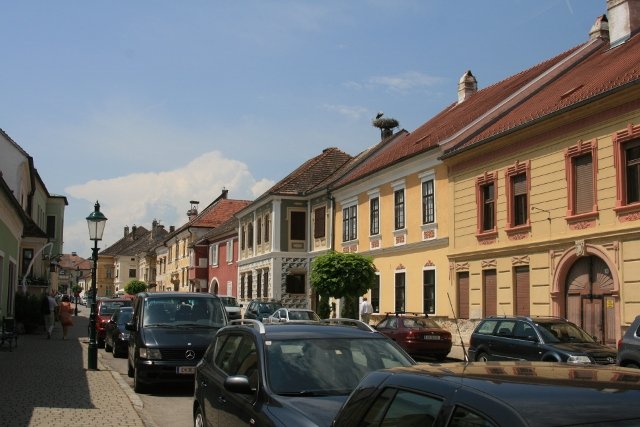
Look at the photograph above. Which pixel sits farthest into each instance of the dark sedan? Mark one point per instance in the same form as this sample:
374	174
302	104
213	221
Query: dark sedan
116	337
419	335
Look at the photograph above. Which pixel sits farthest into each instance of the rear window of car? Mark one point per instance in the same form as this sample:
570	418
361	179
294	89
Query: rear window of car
487	327
420	323
109	307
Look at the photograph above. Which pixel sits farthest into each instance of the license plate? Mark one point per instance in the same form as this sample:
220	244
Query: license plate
186	369
431	337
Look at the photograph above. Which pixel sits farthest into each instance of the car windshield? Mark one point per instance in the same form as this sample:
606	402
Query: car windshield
555	332
303	315
327	366
229	301
183	311
125	317
419	323
268	307
110	307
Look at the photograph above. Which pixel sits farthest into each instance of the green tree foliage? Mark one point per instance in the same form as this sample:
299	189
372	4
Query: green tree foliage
339	275
135	286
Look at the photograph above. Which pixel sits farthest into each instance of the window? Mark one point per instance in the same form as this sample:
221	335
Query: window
295	283
396	407
132	273
242	238
319	222
229	250
632	170
429	291
250	235
400	291
428	202
27	256
517	183
259	231
521	291
486	195
581	166
374	216
267	227
350	223
249	286
213	254
375	294
265	288
258	284
398	202
297	226
242	279
490	293
51	226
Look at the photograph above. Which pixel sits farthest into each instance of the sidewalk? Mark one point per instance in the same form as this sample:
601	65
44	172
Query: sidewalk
45	382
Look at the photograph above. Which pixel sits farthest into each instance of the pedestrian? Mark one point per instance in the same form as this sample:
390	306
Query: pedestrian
365	310
64	313
49	305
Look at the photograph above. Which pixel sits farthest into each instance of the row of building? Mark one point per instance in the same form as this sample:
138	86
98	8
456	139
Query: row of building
520	198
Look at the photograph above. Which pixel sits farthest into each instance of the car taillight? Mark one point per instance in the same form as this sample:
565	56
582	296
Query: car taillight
619	343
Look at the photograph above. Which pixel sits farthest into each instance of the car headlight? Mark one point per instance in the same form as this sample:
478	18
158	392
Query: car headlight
124	335
578	359
150	353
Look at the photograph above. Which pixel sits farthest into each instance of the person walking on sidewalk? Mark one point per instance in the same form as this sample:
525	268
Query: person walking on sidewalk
365	310
49	305
64	313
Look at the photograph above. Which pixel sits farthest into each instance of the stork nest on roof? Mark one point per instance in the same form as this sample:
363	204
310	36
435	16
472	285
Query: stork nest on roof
385	123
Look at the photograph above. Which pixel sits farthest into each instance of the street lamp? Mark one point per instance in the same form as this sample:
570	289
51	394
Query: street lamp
96	222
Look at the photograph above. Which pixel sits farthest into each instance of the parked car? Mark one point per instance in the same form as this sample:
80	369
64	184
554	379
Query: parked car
549	339
283	315
105	309
629	346
495	394
170	332
286	374
260	309
234	310
419	335
116	337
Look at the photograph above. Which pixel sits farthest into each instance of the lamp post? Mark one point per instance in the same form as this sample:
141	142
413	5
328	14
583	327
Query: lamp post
96	221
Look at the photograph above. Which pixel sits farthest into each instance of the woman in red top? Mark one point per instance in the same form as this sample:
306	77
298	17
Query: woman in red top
65	315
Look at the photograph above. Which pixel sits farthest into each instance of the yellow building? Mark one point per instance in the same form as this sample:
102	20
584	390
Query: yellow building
544	186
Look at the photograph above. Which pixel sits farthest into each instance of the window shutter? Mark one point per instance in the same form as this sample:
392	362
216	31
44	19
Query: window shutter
490	293
522	291
519	185
463	295
584	184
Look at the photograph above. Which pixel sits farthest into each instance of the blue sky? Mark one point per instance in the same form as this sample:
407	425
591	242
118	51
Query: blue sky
147	105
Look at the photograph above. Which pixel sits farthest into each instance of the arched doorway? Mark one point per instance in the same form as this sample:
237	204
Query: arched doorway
214	287
589	297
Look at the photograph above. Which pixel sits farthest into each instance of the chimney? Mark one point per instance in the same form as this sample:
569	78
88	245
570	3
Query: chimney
133	232
624	20
600	28
224	193
172	228
467	86
193	212
74	254
126	230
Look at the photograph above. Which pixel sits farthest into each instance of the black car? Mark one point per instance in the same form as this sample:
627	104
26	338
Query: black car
170	332
261	309
286	374
495	394
116	337
629	346
549	339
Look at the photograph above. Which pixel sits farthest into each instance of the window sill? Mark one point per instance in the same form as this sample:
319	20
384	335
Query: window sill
625	209
518	229
582	217
485	235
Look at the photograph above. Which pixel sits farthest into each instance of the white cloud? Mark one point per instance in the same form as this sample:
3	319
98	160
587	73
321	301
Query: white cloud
408	81
353	112
139	198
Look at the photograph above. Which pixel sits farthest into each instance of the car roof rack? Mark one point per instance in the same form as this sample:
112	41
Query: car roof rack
349	322
249	322
410	313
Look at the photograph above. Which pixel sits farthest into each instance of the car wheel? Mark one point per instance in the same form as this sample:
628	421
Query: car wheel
107	347
482	357
138	386
100	343
198	419
130	371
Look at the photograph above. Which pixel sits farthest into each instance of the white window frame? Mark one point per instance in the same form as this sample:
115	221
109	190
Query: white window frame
213	254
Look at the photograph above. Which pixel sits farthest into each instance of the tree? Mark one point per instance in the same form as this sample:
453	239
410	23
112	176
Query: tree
343	275
135	286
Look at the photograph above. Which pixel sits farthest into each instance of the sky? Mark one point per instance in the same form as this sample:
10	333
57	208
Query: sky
147	105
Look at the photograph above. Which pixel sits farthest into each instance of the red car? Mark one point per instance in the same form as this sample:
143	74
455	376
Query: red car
419	335
106	307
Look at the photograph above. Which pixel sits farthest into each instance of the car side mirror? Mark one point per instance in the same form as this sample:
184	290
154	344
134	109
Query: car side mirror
532	338
238	384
